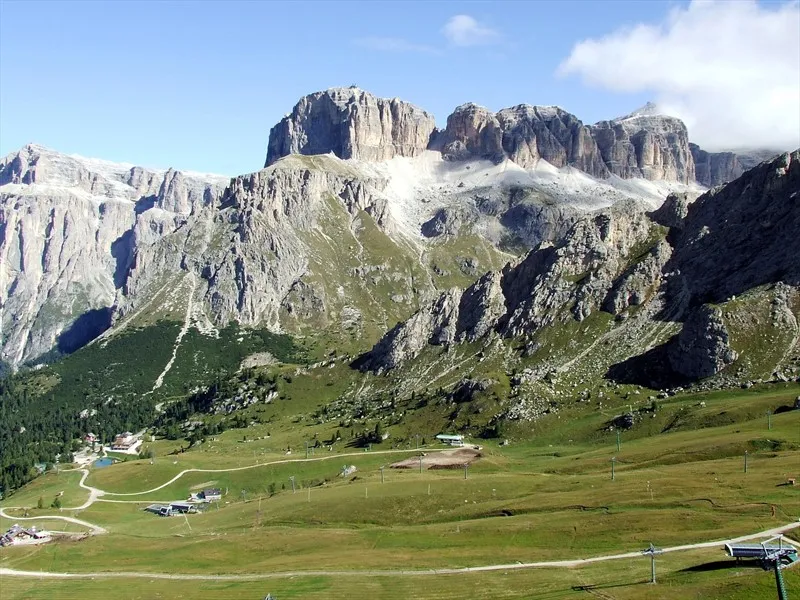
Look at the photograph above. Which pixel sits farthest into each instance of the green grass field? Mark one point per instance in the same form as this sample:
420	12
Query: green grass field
550	497
698	575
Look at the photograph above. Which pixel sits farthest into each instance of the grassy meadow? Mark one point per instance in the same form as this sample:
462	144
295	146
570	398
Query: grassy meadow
547	498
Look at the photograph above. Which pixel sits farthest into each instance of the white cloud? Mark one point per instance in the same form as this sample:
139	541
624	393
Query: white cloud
463	30
731	70
391	44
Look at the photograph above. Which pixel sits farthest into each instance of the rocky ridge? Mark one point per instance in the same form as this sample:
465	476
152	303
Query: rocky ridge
650	271
352	123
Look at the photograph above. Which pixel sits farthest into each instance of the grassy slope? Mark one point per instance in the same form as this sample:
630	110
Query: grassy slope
357	265
620	580
680	486
763	343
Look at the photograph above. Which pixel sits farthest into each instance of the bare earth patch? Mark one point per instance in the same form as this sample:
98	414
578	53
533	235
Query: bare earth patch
447	459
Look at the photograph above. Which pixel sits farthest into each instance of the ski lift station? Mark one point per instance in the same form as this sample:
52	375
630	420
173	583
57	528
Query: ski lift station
772	556
783	553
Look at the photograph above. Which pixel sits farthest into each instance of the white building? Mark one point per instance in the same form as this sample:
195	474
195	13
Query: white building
451	440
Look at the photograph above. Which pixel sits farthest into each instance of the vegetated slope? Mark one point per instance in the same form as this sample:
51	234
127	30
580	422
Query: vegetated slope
662	300
110	386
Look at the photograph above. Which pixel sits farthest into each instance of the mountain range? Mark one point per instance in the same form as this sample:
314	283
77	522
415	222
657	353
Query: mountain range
364	214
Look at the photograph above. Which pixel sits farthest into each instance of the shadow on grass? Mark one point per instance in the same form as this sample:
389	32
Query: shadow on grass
719	565
607	586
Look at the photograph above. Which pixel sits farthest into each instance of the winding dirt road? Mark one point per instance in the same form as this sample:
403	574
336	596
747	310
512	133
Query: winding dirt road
257	465
93	529
558	564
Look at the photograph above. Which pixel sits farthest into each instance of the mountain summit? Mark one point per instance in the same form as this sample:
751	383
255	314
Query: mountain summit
351	123
650	109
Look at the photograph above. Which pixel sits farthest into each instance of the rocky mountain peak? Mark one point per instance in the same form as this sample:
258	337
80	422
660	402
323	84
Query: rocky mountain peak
351	123
643	144
650	109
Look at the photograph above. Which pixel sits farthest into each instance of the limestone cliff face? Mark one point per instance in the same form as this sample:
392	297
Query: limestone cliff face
552	134
715	168
472	132
351	123
646	145
69	227
524	134
643	144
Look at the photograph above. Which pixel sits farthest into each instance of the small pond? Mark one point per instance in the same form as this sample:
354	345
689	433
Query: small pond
103	462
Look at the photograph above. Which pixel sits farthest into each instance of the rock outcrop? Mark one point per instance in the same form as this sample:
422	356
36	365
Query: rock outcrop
550	133
640	283
455	316
702	347
673	211
527	296
472	132
351	123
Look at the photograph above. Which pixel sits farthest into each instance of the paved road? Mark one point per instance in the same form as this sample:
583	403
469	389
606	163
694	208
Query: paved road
388	573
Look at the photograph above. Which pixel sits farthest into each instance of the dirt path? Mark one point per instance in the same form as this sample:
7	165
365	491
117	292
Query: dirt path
96	493
257	465
93	529
558	564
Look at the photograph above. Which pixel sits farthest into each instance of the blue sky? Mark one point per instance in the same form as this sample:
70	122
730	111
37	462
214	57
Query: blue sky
197	85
